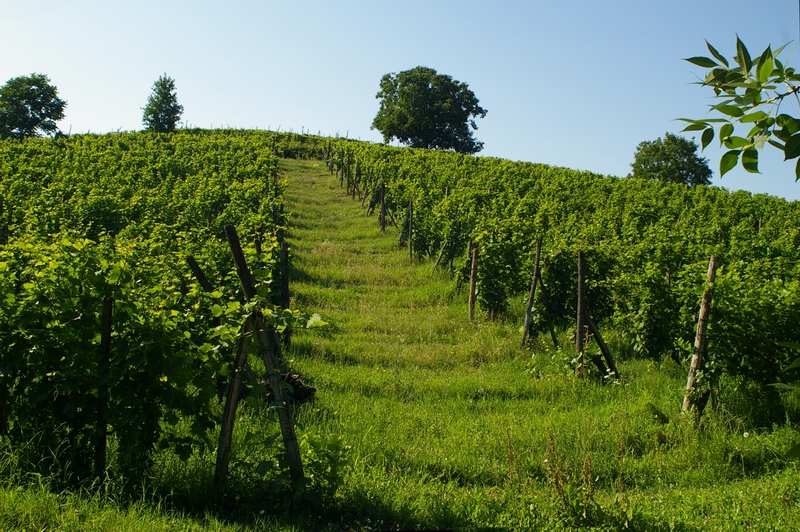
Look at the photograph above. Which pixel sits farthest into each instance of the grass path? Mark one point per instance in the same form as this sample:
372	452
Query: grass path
447	423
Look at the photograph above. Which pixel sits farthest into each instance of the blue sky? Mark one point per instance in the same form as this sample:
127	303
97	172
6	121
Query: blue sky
571	83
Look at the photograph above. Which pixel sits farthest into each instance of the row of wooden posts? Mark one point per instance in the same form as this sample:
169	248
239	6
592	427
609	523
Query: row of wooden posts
604	361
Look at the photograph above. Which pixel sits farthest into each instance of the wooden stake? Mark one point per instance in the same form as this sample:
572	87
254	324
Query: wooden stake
581	312
603	348
473	279
700	338
102	389
526	326
383	207
545	299
410	231
267	352
198	274
231	402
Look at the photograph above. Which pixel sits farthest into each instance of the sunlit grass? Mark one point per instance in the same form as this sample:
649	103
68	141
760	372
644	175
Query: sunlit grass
446	423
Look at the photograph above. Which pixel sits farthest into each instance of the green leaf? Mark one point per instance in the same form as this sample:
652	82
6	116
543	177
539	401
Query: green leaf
790	345
797	171
114	275
765	65
743	56
704	62
216	311
736	142
793	365
697	126
750	160
728	162
707	137
716	54
792	148
755	116
793	453
725	132
730	110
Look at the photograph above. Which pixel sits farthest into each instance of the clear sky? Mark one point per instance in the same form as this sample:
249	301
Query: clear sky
572	83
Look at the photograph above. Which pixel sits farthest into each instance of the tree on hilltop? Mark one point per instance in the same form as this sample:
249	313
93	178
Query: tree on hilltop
424	109
162	112
29	105
672	159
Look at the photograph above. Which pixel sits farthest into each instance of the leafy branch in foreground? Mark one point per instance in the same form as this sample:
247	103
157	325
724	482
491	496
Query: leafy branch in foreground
751	93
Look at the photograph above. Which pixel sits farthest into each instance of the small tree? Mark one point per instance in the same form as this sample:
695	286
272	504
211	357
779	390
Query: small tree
424	109
29	105
162	112
672	159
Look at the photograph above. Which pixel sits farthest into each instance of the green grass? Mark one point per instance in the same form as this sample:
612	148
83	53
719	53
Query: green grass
425	420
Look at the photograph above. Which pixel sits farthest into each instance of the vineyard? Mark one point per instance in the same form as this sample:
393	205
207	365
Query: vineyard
121	314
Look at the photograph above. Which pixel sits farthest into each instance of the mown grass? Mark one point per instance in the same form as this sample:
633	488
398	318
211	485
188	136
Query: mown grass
424	420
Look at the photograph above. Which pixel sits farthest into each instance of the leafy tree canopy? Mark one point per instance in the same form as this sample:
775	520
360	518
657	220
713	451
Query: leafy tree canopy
29	105
672	159
162	112
750	91
424	109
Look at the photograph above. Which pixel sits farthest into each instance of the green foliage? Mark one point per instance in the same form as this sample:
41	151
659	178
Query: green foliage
647	245
162	112
672	159
424	109
93	218
29	105
751	91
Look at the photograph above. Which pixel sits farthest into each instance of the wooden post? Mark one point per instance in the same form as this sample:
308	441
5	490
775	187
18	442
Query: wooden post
410	231
603	348
545	299
267	351
285	299
102	389
700	338
581	312
231	402
526	326
198	274
383	207
473	279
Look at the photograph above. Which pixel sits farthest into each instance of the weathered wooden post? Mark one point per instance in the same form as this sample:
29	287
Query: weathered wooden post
410	230
102	389
532	293
700	339
473	280
383	207
579	333
267	352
